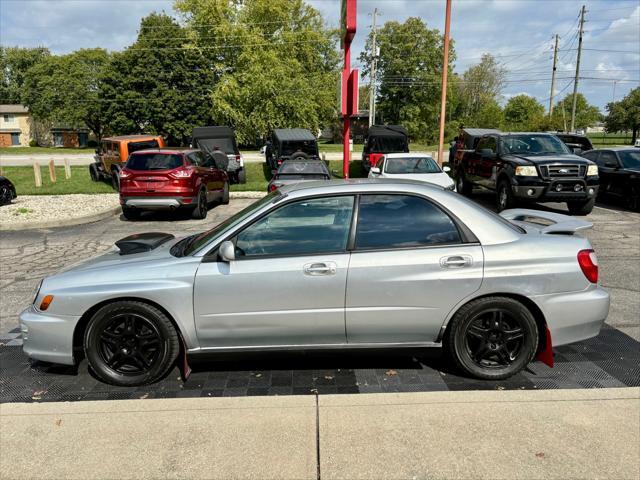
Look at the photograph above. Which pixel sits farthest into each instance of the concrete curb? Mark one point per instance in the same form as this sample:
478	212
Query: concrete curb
62	223
255	195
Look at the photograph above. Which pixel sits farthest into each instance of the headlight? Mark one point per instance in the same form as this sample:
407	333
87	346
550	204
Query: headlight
592	171
36	291
526	171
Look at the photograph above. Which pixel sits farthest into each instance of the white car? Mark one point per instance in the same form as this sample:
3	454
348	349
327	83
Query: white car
412	166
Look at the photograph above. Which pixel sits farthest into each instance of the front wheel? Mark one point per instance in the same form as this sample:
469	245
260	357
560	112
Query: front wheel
130	343
581	207
492	338
93	172
505	199
462	186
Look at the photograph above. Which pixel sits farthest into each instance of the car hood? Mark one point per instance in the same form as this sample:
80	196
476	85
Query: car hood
440	178
552	159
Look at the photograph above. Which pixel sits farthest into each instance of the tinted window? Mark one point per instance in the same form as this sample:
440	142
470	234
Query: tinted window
319	225
194	159
314	169
396	221
143	145
290	148
411	165
154	161
608	159
388	144
593	156
630	159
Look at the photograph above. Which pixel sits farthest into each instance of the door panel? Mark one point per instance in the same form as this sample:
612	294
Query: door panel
271	301
405	295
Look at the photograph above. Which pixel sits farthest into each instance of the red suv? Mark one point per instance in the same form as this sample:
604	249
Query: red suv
169	179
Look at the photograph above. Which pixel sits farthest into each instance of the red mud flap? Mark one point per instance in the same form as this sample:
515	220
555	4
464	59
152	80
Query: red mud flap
183	363
545	355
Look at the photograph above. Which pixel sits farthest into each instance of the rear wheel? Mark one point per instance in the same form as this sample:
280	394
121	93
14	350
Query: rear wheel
130	213
225	194
242	176
492	338
462	186
130	343
115	179
633	199
93	172
200	210
6	195
582	207
505	199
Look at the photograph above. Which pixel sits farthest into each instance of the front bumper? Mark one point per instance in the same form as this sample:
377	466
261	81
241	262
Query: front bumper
158	202
48	337
557	189
574	316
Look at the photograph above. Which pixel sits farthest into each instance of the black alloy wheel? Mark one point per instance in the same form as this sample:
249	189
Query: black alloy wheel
130	343
492	338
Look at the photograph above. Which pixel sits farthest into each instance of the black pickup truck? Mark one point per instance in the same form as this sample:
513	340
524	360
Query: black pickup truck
529	167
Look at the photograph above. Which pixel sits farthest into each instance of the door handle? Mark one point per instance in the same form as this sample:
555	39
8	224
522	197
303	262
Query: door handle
317	269
456	261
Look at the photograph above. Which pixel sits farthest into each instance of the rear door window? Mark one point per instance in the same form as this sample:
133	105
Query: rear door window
402	221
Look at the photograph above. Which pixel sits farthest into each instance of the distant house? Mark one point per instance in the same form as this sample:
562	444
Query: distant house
18	129
15	126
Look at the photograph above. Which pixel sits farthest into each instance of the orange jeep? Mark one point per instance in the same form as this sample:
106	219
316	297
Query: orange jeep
113	153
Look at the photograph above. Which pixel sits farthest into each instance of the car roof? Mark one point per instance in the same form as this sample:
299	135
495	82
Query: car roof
167	151
408	155
293	134
478	132
121	138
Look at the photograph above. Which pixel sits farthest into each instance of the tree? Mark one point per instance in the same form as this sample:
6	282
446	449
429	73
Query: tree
624	114
586	114
523	113
480	88
409	69
160	84
66	89
14	63
276	63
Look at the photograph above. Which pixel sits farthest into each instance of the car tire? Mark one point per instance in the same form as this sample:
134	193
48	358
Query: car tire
462	186
242	176
505	198
633	199
6	195
130	343
581	207
115	179
93	173
224	200
200	210
130	213
476	338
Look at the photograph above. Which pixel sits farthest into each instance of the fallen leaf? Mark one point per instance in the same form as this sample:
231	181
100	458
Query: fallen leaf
59	422
390	373
540	454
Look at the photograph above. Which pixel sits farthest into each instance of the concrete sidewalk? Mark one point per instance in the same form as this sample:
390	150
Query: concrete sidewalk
474	434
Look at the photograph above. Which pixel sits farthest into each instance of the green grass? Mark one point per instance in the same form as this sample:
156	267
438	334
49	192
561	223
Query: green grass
40	150
80	182
603	140
258	176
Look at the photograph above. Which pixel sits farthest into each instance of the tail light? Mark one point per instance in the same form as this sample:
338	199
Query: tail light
279	162
181	173
588	264
124	173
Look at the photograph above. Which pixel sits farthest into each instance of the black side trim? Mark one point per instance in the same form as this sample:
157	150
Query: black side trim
142	242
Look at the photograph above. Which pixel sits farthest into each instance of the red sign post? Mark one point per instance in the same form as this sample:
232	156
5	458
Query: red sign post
349	79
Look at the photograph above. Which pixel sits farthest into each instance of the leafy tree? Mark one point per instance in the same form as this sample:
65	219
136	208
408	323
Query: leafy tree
624	114
66	88
160	84
523	113
14	63
480	89
586	114
409	69
275	60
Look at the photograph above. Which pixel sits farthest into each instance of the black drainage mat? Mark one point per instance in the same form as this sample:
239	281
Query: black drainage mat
610	360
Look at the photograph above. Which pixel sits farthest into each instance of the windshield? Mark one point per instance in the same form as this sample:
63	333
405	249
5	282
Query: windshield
154	161
532	144
198	241
630	159
388	144
306	146
411	165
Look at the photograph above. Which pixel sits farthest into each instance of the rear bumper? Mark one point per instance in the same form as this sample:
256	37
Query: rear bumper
158	202
575	316
48	338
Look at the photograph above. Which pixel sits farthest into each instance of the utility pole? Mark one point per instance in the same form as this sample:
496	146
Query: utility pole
445	72
553	77
575	82
372	73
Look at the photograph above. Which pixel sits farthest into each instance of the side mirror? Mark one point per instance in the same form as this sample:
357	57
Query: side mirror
446	169
227	251
375	170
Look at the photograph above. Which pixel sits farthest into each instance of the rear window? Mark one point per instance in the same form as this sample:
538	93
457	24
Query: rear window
142	145
302	168
388	144
154	161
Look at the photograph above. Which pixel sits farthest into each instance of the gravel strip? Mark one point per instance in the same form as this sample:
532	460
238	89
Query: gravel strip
40	208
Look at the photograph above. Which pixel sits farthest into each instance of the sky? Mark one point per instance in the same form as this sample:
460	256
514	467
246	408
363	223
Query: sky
519	33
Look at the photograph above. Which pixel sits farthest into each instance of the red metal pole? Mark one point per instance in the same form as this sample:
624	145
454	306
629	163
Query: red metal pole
346	127
445	72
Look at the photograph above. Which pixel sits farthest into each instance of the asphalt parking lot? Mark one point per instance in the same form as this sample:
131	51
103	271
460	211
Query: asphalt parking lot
611	359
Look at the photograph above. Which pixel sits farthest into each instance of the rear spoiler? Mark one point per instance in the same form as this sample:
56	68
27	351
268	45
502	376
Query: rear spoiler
546	222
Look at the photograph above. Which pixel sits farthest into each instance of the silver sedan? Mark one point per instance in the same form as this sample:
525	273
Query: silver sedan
329	265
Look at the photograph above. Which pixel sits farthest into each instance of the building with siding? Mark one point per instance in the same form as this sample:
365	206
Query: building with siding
15	126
